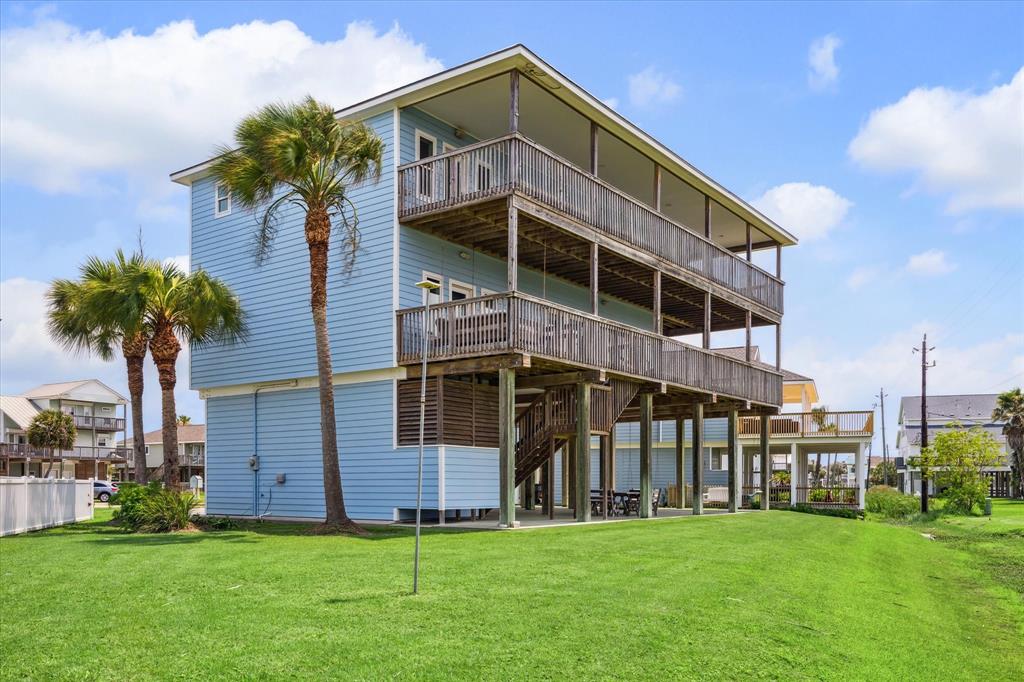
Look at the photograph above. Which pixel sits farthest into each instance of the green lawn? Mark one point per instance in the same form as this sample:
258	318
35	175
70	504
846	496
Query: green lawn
758	595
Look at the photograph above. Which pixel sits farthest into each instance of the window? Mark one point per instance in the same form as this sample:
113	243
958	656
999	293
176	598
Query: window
425	147
434	294
719	458
459	291
102	442
222	201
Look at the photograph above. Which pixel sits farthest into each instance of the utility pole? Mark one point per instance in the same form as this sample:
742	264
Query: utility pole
924	416
885	448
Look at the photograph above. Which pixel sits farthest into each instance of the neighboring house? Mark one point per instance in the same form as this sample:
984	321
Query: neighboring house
811	439
191	451
969	410
99	414
569	248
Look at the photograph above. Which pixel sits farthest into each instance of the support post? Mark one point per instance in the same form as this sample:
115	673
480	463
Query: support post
795	473
513	102
748	321
570	454
656	307
766	462
707	217
734	461
750	246
513	246
778	347
582	452
549	490
527	493
706	340
593	279
778	260
545	499
593	148
611	458
697	458
603	474
507	448
680	463
657	188
646	445
859	470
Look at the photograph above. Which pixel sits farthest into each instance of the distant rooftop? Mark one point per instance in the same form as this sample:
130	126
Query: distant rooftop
740	353
970	408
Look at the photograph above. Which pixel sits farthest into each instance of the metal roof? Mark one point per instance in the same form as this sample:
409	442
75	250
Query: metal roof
740	353
968	408
18	409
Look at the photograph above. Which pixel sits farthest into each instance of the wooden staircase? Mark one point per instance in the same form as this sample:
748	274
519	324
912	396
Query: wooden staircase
550	419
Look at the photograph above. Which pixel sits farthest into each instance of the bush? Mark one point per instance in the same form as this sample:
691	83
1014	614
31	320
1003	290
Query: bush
841	512
215	522
817	495
889	502
152	509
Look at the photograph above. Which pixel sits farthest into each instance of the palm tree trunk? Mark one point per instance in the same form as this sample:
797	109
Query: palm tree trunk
164	348
134	351
318	233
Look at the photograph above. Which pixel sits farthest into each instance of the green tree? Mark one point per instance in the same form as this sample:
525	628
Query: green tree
52	430
175	307
961	458
301	155
882	472
184	419
1010	411
80	319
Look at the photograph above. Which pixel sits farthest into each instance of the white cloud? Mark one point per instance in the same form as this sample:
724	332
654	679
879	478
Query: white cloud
929	263
30	357
651	87
809	211
821	58
964	144
861	276
612	102
78	105
852	381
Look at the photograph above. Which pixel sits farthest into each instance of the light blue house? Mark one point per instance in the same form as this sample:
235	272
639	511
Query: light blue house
583	267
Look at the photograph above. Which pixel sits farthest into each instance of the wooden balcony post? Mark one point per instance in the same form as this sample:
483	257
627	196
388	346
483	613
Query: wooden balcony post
593	279
507	448
707	216
549	489
766	461
680	462
734	461
611	460
513	102
778	260
656	306
593	148
750	246
570	453
513	246
697	457
706	339
748	318
795	473
564	461
603	474
582	452
657	188
526	494
646	445
859	471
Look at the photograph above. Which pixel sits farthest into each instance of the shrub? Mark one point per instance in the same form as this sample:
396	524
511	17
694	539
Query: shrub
841	512
817	495
889	502
152	509
214	522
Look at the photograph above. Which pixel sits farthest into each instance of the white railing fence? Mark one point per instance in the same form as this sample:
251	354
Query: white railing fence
28	504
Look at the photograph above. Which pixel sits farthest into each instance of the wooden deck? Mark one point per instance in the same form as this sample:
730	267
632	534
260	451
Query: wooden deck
479	173
850	424
517	323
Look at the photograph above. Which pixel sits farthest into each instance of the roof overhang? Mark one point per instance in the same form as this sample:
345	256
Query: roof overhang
521	58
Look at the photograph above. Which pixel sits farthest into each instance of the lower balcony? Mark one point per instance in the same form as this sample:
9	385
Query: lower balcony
25	451
517	323
814	424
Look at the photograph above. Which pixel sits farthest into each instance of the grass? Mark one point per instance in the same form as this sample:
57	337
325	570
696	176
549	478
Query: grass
755	595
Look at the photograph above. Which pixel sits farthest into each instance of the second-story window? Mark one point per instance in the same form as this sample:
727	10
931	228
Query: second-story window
433	294
222	201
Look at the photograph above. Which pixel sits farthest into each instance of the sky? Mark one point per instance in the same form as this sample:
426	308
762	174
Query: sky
888	137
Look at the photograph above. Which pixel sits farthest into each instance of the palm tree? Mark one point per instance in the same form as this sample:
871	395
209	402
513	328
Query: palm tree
184	419
176	306
1010	411
80	319
301	155
52	430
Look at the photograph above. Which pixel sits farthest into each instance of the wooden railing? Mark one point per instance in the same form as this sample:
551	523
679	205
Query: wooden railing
515	322
514	163
100	423
78	452
812	425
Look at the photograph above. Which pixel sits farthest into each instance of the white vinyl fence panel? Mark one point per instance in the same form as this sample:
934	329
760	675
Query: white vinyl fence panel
33	503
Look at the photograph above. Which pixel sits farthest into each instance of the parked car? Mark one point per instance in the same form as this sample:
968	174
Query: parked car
103	490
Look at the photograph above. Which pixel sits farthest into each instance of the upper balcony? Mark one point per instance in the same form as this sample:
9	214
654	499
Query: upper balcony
99	423
815	424
102	453
454	195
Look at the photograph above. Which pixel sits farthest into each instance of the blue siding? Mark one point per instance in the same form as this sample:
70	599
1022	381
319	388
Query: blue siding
413	119
276	294
229	444
470	477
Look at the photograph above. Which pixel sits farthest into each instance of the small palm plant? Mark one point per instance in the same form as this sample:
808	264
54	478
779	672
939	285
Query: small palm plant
300	155
1010	410
81	319
184	419
52	430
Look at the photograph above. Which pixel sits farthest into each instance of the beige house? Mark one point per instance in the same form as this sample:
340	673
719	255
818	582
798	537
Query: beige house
99	413
191	451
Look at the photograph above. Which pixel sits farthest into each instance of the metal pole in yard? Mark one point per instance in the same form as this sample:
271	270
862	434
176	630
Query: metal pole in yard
428	287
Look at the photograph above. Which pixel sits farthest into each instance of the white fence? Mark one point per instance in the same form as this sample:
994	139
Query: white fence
33	503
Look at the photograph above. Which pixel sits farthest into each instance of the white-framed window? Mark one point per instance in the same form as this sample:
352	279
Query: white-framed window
434	294
718	458
221	200
101	441
426	147
458	291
